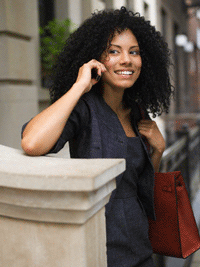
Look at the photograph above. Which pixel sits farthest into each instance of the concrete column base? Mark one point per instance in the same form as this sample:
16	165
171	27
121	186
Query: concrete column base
29	243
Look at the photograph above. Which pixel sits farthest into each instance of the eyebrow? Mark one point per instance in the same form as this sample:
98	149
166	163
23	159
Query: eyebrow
121	47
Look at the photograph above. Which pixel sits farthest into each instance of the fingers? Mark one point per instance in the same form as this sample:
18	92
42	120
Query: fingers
147	125
98	67
151	131
85	78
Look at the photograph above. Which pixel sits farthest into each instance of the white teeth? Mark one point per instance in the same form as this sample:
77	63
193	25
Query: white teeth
125	72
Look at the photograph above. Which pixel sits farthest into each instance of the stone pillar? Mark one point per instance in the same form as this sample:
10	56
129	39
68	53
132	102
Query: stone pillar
109	4
19	68
117	4
154	12
98	5
71	9
130	5
86	9
138	7
52	210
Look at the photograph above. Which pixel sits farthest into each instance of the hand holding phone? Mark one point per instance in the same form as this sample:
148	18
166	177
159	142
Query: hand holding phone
95	75
90	73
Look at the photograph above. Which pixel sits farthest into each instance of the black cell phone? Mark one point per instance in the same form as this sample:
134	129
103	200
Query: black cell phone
95	75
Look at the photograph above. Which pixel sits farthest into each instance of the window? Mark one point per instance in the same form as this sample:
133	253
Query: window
46	14
46	11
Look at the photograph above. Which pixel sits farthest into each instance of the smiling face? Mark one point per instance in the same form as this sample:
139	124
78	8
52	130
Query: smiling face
122	60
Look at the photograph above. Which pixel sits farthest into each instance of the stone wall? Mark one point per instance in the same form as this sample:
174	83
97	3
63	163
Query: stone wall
19	68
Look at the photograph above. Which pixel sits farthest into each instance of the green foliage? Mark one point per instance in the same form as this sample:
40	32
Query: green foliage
52	38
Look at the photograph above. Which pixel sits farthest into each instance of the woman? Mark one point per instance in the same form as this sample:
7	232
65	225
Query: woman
113	70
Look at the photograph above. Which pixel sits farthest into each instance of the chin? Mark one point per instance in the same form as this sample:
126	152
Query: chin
125	85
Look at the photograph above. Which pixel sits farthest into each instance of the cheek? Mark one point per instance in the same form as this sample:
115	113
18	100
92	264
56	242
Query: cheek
139	63
109	63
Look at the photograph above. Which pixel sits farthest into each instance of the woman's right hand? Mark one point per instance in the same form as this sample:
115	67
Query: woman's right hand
85	74
42	132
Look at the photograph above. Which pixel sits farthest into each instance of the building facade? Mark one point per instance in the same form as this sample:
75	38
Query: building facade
194	56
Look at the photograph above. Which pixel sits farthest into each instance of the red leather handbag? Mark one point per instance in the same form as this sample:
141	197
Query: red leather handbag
174	233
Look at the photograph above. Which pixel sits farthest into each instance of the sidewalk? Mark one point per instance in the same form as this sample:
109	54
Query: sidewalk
196	209
196	259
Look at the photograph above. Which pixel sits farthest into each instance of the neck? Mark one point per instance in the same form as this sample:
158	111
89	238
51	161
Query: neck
114	99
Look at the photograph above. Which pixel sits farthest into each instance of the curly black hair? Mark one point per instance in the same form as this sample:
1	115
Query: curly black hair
152	89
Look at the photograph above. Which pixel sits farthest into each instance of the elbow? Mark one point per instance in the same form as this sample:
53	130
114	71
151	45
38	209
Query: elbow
30	148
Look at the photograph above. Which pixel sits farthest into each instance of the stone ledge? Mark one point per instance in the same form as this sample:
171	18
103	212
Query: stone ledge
52	215
56	174
55	189
16	35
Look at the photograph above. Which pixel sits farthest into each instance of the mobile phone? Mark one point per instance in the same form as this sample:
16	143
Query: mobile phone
95	75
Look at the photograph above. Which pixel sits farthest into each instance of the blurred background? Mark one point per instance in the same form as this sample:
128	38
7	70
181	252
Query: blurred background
29	42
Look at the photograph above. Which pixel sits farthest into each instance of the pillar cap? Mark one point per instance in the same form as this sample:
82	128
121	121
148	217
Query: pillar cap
54	189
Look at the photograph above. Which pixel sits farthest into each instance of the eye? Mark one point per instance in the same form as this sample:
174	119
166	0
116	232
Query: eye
134	52
113	51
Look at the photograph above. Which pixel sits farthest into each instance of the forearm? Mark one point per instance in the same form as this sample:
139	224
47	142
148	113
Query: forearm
42	132
156	157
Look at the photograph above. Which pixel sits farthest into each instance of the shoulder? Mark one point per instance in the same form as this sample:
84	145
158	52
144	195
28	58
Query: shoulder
86	108
90	97
92	101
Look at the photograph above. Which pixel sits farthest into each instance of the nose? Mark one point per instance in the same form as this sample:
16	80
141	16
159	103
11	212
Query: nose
125	58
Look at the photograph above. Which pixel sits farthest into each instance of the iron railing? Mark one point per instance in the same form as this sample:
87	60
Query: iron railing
184	155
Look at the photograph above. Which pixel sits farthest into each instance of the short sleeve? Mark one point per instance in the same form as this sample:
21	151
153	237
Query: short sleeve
78	119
